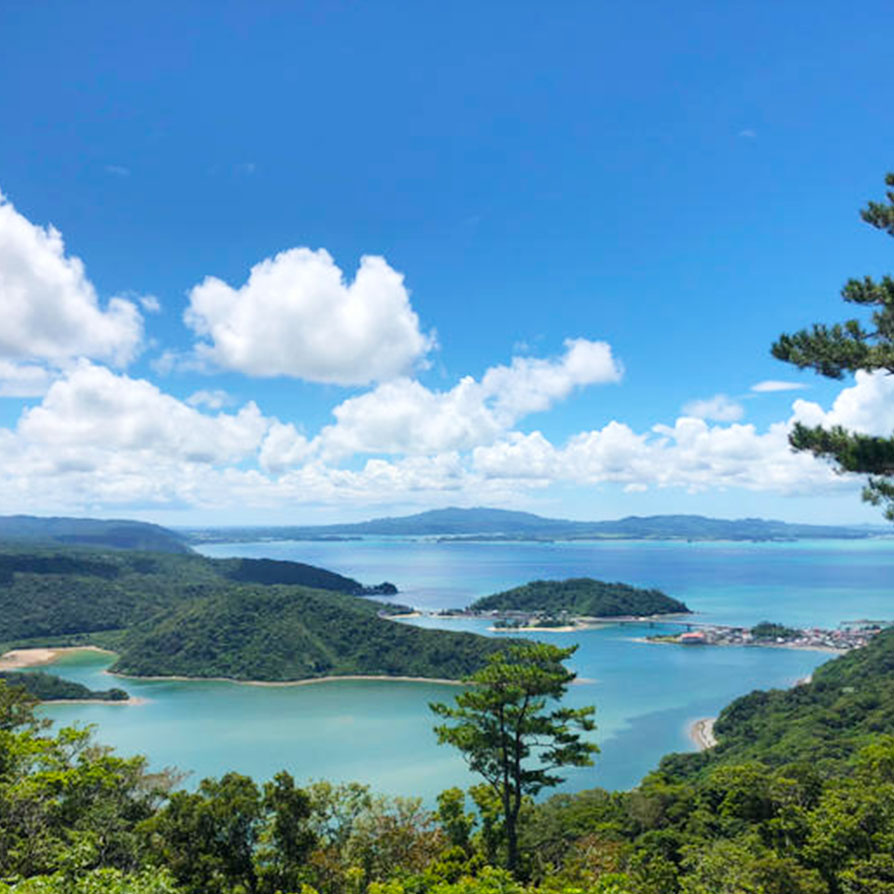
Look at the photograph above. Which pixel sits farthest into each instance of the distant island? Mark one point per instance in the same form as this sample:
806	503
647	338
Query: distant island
243	619
499	524
579	597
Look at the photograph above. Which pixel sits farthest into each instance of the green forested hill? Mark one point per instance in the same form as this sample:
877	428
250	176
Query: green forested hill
824	723
95	532
292	633
189	615
581	596
53	592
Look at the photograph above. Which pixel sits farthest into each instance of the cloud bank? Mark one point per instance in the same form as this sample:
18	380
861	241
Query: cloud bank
94	438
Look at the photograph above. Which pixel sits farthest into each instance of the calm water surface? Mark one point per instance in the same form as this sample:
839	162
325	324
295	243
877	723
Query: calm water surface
646	695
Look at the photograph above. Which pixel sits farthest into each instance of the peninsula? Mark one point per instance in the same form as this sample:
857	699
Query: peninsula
240	619
49	688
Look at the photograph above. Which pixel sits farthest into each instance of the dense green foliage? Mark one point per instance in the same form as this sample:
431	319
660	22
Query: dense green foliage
503	524
292	633
58	592
850	347
91	532
49	687
508	736
825	722
187	615
76	819
580	596
271	571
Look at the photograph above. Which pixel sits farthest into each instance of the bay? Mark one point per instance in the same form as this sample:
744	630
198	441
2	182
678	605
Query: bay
380	732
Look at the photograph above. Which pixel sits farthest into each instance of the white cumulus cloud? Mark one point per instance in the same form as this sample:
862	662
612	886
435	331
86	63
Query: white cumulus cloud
404	416
98	413
23	379
690	454
719	408
214	399
50	310
297	316
867	406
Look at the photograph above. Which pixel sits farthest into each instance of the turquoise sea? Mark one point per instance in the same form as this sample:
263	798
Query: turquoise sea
380	732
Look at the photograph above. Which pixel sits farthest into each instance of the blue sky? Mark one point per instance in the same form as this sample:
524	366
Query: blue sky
585	224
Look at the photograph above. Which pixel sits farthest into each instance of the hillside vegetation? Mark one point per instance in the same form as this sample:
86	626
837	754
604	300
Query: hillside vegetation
50	688
581	596
190	615
79	820
292	633
825	722
100	533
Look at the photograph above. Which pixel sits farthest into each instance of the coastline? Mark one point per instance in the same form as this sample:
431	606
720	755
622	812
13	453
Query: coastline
130	700
16	659
308	682
19	659
658	642
702	733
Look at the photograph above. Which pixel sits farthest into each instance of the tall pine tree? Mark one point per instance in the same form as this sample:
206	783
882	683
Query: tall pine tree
847	347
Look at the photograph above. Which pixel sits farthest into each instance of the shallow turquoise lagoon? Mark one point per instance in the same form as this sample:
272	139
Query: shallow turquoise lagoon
380	732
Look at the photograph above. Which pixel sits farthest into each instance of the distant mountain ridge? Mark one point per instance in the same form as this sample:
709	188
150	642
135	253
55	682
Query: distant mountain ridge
487	524
91	532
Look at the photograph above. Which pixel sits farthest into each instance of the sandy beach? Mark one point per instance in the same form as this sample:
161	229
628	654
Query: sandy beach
16	659
310	682
131	700
702	733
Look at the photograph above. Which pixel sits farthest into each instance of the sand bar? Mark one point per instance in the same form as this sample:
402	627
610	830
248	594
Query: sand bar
16	659
21	658
130	700
702	733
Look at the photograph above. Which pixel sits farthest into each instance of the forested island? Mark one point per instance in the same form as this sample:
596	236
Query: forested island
243	619
580	597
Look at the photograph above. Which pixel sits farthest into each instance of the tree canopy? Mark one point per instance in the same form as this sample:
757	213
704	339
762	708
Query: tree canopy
506	733
850	347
